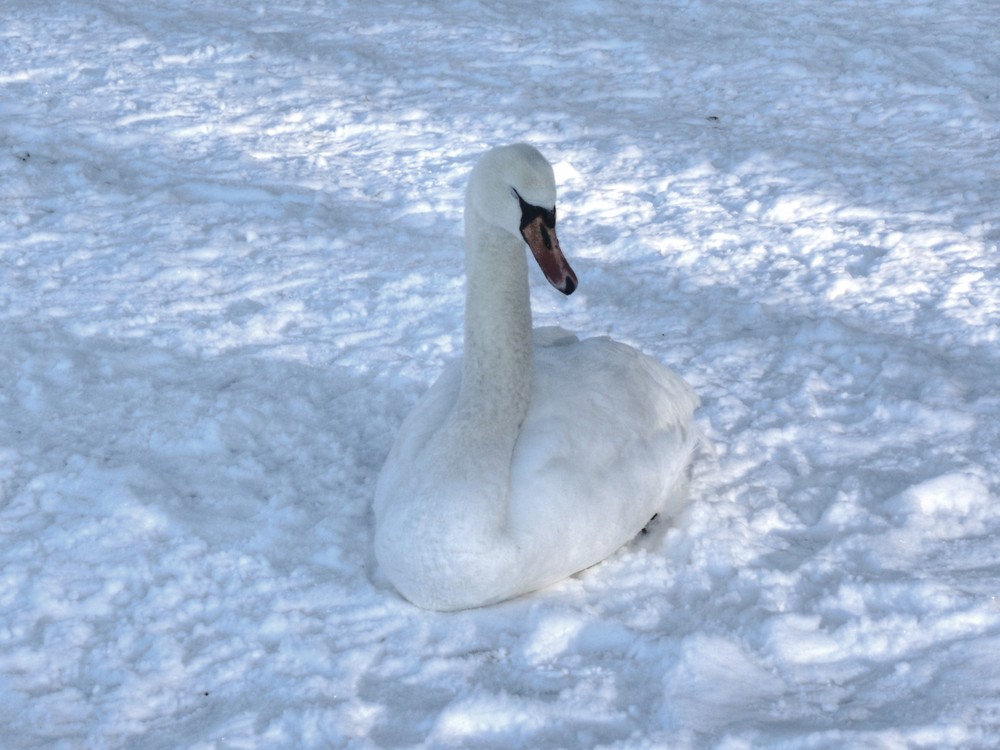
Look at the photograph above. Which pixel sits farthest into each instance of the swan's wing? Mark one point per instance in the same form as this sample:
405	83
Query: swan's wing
605	445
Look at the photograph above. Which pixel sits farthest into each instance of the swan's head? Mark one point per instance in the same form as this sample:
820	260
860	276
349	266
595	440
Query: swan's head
514	188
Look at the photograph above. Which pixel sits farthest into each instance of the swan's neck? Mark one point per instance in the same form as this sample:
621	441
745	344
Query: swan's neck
497	363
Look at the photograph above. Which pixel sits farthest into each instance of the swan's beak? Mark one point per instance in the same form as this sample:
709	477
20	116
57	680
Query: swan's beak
544	246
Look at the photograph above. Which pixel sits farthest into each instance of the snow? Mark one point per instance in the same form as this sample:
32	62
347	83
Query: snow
230	247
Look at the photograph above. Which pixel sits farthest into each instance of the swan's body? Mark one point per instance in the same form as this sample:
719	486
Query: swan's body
529	460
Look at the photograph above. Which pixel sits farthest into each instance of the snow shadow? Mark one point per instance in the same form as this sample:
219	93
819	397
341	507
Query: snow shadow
269	456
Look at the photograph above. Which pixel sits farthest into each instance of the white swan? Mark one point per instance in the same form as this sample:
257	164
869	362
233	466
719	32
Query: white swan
525	462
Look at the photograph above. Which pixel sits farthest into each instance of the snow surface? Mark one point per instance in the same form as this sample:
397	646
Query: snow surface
230	247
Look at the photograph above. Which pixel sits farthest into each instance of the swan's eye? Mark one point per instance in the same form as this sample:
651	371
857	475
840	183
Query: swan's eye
529	213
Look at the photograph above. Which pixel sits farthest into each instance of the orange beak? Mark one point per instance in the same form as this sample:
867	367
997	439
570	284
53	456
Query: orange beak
544	244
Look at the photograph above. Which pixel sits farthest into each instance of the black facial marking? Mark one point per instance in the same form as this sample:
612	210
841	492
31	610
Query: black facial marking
529	213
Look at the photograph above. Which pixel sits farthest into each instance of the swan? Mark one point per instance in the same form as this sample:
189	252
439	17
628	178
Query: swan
538	454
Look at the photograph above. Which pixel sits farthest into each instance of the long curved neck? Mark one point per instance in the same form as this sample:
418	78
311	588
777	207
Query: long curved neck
497	363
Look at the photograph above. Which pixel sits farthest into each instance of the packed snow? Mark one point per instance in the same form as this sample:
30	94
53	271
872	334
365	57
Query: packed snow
231	258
